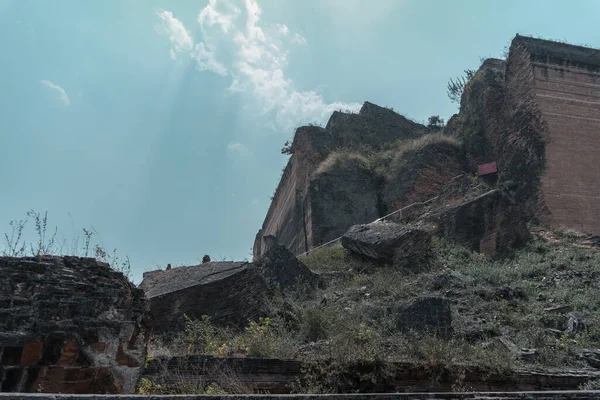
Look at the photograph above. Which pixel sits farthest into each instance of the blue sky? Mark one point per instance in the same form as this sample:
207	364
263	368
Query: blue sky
159	122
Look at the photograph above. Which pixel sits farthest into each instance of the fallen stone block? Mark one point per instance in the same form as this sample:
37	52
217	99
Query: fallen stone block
389	242
489	223
231	293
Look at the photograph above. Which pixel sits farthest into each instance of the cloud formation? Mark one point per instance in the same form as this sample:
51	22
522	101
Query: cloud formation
181	41
206	61
61	93
253	55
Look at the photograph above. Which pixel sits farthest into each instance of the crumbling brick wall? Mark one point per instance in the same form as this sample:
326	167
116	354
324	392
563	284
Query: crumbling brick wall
299	216
259	375
69	325
342	195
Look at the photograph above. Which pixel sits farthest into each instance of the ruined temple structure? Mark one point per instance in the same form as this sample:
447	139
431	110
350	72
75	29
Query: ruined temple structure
566	82
69	325
537	115
534	116
326	188
231	293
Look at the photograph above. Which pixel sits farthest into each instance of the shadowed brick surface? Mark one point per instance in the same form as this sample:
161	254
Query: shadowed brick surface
229	292
70	325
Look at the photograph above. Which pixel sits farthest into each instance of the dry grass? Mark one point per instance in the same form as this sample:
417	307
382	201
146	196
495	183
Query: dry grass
346	324
342	158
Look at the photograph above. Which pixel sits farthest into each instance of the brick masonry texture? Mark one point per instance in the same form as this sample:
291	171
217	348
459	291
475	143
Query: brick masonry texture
69	325
537	114
230	292
561	83
569	101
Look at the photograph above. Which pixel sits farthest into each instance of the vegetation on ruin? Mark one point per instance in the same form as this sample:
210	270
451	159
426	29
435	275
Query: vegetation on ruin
394	157
542	297
456	86
42	241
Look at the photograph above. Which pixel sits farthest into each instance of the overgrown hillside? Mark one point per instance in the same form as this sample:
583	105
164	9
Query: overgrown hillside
538	307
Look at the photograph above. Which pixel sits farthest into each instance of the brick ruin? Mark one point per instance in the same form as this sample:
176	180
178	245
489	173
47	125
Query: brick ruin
73	325
231	292
69	325
554	395
566	83
274	376
320	196
535	114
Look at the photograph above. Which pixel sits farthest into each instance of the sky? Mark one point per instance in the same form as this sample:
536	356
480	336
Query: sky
159	123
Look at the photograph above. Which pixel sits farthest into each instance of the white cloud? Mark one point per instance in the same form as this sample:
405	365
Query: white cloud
181	41
236	147
298	39
283	29
224	19
62	94
235	44
205	60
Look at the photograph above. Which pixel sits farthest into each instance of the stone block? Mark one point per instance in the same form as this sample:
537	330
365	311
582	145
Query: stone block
389	242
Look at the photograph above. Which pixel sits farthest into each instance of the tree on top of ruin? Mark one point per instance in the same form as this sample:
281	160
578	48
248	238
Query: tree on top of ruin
456	87
287	148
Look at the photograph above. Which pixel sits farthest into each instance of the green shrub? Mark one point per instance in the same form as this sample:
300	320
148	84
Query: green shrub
330	258
315	323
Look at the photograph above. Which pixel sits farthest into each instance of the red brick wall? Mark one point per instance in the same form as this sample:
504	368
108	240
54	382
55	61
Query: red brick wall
569	99
69	325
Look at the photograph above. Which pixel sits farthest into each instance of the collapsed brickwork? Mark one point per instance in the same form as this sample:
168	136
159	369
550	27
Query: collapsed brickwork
541	395
327	186
536	114
69	325
229	292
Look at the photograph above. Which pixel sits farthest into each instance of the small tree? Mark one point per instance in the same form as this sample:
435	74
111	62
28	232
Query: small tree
287	148
456	87
435	122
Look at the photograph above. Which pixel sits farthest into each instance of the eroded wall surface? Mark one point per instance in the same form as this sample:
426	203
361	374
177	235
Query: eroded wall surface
304	211
69	325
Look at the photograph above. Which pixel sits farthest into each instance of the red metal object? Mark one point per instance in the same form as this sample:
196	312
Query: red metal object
487	169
